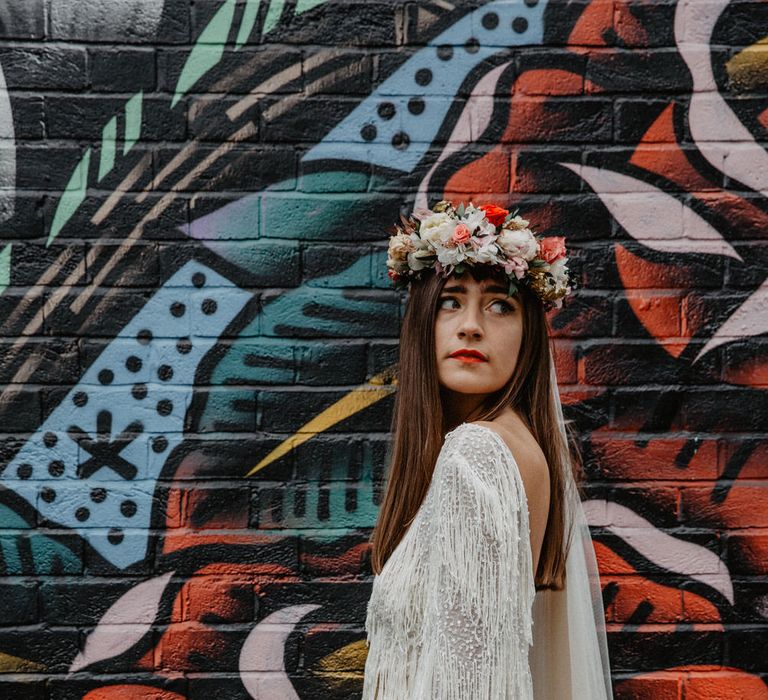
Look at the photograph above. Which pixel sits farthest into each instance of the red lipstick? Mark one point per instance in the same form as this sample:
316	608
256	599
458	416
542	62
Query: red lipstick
468	355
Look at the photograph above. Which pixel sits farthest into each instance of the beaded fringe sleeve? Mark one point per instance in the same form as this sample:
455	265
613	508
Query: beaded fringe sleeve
451	618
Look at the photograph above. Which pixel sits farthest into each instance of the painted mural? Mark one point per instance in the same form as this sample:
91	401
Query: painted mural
200	339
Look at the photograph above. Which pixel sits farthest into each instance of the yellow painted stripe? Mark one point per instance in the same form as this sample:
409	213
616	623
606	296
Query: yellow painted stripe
378	387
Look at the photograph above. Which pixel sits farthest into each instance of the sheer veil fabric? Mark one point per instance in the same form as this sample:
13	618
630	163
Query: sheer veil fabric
569	655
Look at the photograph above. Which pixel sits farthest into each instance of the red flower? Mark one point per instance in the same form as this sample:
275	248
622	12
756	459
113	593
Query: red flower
551	248
495	215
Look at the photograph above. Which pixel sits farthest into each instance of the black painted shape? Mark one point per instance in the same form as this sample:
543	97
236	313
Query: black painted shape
105	452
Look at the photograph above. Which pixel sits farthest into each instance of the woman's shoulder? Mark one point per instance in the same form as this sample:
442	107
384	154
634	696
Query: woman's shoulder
522	447
482	449
517	442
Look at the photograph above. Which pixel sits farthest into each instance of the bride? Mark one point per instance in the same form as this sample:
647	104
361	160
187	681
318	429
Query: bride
485	584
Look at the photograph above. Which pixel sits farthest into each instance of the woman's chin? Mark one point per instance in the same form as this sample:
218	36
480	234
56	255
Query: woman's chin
468	384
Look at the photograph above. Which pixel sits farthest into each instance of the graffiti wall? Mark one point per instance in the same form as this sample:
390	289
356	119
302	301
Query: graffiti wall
199	338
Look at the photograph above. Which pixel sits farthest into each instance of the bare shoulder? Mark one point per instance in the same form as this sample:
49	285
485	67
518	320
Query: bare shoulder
521	444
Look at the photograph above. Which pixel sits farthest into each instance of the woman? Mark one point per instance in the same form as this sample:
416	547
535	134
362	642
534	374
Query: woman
486	586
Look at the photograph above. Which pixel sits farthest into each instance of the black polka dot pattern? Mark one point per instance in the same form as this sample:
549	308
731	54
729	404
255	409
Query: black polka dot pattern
95	444
490	21
198	279
387	110
400	140
144	336
368	132
472	45
520	24
416	105
139	391
457	52
48	494
99	494
423	77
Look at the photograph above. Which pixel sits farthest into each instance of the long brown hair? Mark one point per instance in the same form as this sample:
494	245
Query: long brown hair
418	421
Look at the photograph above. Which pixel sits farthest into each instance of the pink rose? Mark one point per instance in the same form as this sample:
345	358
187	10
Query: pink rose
551	248
461	234
517	265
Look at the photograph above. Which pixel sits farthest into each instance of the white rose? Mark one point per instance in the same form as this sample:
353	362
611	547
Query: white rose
416	262
518	243
418	242
434	220
438	236
451	256
516	222
399	246
559	270
397	265
488	252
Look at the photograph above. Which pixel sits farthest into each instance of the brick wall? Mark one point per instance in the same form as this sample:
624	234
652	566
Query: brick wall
193	203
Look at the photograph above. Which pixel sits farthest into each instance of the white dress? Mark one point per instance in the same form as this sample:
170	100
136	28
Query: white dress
450	614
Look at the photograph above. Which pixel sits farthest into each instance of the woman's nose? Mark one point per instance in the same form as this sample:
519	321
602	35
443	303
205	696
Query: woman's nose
470	323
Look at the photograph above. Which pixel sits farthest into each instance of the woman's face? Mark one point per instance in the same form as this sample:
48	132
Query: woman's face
477	316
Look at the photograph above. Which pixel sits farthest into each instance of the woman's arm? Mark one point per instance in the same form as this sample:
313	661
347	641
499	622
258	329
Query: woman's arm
477	620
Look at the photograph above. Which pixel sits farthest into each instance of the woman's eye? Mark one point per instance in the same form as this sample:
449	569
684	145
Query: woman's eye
505	305
443	300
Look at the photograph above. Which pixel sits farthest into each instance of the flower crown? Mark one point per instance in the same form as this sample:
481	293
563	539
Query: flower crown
448	238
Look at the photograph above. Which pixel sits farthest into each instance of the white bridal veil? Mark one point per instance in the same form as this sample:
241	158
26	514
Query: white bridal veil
569	655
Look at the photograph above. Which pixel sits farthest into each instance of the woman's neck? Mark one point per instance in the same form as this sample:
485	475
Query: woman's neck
463	408
459	408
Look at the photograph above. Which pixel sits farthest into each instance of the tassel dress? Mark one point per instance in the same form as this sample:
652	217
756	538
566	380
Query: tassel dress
450	614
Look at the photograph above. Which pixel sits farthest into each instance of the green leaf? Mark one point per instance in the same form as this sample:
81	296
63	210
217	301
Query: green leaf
460	210
512	287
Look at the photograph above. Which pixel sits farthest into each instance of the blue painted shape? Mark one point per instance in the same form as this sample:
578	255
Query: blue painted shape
238	220
93	465
346	142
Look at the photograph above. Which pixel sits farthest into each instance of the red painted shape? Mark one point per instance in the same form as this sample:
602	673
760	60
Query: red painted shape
488	174
658	685
666	604
591	26
529	121
661	314
131	692
629	29
658	152
623	459
348	563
